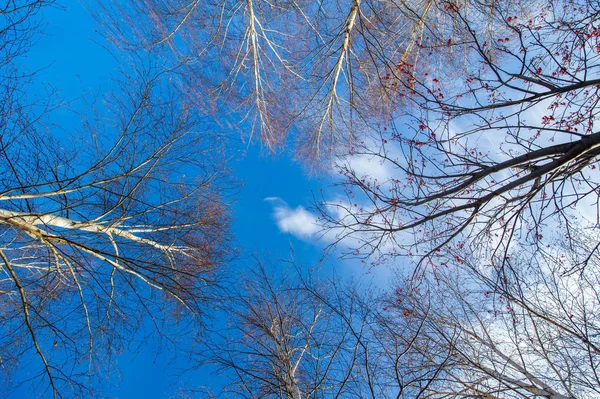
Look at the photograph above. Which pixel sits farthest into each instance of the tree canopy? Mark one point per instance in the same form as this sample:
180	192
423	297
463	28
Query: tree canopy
122	220
482	116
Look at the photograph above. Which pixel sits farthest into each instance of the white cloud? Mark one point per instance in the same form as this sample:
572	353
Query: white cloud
368	165
298	222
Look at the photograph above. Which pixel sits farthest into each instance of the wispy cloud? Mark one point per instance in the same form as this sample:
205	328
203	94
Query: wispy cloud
367	165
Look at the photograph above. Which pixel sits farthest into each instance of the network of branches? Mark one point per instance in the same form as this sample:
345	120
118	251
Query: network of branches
106	225
480	115
500	148
317	71
467	331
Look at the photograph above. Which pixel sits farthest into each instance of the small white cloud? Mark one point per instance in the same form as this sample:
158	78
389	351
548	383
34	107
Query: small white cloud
297	222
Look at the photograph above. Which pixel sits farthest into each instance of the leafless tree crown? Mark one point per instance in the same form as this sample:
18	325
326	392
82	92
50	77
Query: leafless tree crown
104	226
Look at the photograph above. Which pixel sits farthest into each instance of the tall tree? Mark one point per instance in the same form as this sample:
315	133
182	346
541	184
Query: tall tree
319	71
119	222
492	154
526	329
290	334
493	192
279	339
476	329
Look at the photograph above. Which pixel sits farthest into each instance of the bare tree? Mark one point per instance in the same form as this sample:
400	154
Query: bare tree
492	154
493	192
280	341
320	71
485	112
119	222
526	329
20	22
295	335
474	329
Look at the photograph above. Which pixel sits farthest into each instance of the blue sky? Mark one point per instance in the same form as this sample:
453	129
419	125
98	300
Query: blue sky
269	212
